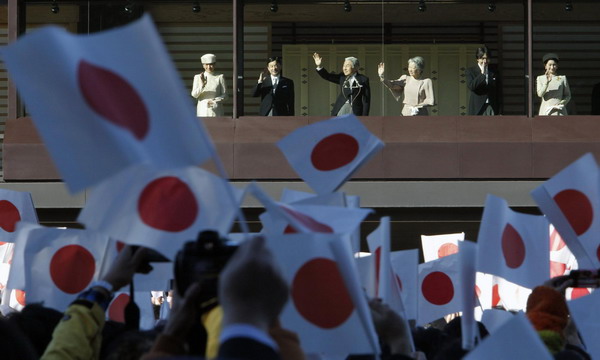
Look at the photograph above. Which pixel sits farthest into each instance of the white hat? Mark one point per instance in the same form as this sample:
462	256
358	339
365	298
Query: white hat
353	60
208	59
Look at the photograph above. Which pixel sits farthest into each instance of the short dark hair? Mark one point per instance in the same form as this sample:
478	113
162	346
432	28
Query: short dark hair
481	51
274	58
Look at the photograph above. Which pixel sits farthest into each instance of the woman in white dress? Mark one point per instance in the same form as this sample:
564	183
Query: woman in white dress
209	88
418	92
552	88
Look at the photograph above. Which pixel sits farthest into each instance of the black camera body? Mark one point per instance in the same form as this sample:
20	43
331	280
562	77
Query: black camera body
202	261
585	278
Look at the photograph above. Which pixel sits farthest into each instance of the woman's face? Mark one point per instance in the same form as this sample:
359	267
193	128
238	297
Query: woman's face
209	68
551	66
413	70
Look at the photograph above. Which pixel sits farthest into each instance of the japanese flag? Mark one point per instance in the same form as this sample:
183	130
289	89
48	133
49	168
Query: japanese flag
571	201
324	219
405	264
15	206
160	209
438	246
586	314
439	289
60	264
562	259
515	339
112	98
294	197
513	245
326	154
321	309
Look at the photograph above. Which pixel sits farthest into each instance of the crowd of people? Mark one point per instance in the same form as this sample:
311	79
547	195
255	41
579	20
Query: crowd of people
277	92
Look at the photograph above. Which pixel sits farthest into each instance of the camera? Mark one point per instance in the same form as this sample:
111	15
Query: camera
585	278
202	261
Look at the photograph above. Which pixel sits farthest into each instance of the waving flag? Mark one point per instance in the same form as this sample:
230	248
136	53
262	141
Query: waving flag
405	264
513	245
60	264
160	209
321	309
15	206
112	98
438	246
327	153
571	201
586	314
439	289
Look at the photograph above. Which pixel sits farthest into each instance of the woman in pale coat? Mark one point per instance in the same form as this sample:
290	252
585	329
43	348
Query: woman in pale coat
209	88
552	88
418	92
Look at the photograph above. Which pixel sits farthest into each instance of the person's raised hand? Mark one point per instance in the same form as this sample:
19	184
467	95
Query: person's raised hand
381	69
128	262
317	59
251	287
390	327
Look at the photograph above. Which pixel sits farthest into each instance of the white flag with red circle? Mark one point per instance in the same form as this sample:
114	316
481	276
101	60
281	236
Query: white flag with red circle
161	209
294	197
326	154
60	264
438	246
15	206
513	245
515	339
113	98
321	309
586	314
571	201
439	289
405	264
562	259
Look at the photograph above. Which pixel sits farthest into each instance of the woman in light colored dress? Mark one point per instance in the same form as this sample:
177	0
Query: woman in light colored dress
418	92
209	88
552	88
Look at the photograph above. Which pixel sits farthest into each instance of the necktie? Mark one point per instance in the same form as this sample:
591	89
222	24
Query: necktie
275	82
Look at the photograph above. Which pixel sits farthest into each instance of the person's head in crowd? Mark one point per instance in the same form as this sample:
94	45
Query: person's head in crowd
14	344
37	323
416	65
429	340
274	65
350	65
208	62
483	56
128	345
454	329
550	63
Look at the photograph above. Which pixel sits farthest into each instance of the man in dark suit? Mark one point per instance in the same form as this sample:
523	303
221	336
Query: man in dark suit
355	95
276	92
483	84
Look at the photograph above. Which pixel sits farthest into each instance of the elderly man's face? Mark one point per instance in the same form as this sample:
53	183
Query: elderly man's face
348	68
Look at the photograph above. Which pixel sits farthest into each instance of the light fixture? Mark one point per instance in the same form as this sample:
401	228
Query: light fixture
128	7
274	6
422	6
196	7
492	6
568	6
55	9
347	6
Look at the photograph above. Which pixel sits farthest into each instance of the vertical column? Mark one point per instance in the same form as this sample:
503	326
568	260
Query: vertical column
528	57
16	27
238	58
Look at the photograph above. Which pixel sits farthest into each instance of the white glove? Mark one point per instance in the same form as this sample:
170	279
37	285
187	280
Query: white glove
414	111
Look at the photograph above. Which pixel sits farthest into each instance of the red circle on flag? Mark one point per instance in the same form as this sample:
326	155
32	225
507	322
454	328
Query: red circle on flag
334	151
72	268
579	292
447	249
477	291
319	294
495	295
168	204
9	216
557	268
577	208
513	247
20	297
399	281
308	222
113	98
119	245
116	310
437	288
556	241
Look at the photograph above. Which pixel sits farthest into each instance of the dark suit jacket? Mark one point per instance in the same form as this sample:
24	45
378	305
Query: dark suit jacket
361	95
482	91
282	101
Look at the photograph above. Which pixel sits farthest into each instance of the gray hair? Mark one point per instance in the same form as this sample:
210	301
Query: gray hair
419	62
353	60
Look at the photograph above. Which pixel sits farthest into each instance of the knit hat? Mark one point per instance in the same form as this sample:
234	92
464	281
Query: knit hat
547	309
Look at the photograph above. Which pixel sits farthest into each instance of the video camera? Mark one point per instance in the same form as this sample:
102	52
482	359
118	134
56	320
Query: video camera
202	261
